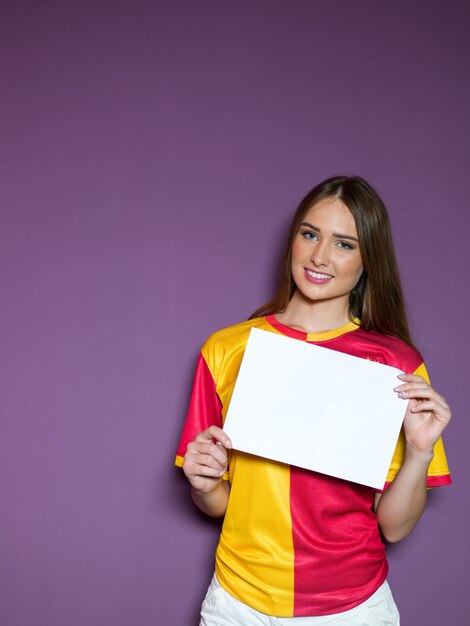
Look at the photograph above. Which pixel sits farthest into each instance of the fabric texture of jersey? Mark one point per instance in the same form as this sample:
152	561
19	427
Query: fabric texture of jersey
296	542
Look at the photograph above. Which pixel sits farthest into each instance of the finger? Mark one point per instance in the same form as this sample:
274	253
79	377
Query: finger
413	385
214	433
205	465
194	470
412	381
416	392
199	462
198	449
440	411
411	378
422	384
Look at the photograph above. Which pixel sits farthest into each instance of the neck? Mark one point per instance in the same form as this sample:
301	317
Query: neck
315	316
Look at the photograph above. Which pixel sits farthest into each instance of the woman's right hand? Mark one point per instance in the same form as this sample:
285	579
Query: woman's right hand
206	460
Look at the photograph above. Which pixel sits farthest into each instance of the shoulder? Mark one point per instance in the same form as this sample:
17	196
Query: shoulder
224	349
388	349
231	336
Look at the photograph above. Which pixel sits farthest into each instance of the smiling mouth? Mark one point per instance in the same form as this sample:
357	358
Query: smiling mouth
318	276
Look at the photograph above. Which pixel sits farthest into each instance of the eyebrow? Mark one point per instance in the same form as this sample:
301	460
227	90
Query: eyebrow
336	235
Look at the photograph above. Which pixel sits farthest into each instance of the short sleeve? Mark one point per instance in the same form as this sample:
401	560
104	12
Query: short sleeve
438	472
204	410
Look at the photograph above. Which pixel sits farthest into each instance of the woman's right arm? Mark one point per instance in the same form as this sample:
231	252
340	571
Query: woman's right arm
205	464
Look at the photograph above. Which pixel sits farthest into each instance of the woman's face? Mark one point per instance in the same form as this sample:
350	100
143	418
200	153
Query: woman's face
326	261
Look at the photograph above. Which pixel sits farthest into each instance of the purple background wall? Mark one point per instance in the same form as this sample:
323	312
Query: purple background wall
151	156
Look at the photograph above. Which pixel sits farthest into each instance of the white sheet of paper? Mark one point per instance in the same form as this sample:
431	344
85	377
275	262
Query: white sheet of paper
316	408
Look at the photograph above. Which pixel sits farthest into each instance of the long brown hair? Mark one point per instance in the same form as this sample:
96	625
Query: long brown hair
377	299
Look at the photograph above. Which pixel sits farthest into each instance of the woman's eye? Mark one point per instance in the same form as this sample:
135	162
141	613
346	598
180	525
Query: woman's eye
346	246
308	234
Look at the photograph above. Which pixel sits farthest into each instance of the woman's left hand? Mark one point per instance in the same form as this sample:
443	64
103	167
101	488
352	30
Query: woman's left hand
427	413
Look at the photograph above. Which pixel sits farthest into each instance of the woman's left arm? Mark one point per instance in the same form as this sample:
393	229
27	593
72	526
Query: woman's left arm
400	507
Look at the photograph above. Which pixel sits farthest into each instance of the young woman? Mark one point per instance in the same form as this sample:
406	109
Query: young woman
299	547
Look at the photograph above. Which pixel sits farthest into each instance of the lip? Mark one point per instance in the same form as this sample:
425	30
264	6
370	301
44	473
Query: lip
320	279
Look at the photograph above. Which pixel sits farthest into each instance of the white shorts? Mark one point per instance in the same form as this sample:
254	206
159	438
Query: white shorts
221	609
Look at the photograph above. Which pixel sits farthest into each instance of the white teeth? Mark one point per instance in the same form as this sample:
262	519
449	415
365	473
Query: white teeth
317	275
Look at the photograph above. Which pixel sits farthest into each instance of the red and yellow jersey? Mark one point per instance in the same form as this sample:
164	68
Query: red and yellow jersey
296	542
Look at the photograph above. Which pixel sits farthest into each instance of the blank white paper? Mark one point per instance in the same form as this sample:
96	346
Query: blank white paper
316	408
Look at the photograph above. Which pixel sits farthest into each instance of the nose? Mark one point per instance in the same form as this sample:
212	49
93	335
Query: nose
319	254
